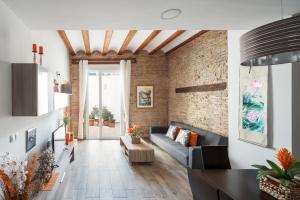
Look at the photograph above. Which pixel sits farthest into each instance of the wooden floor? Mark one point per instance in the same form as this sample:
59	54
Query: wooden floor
101	171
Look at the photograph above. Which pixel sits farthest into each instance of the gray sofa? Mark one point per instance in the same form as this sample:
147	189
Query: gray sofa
189	156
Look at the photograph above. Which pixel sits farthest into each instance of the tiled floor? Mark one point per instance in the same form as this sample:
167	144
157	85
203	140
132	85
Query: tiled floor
101	171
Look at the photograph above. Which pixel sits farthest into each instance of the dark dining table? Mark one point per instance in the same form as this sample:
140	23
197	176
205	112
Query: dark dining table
233	184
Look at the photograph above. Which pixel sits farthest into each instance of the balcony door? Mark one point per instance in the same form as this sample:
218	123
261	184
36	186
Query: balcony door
104	103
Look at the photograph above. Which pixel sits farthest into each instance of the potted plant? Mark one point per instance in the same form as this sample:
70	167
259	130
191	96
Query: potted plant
46	165
280	181
108	118
66	121
96	114
91	120
135	135
111	121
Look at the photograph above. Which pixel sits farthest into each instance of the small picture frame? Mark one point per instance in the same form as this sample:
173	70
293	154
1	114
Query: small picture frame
144	96
30	139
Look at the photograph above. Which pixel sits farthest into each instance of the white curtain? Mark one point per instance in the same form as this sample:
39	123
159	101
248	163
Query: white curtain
125	71
83	76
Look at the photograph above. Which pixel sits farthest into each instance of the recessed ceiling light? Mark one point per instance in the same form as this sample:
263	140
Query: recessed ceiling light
170	13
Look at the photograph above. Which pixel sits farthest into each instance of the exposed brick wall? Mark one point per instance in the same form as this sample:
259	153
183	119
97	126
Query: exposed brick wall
150	70
202	61
74	107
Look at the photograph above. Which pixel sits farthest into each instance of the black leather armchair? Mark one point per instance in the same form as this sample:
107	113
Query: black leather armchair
209	158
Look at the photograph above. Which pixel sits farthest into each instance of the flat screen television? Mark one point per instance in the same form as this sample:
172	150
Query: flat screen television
58	142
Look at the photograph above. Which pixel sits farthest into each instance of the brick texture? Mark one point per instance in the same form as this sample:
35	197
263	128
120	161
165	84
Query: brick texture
202	61
150	70
74	107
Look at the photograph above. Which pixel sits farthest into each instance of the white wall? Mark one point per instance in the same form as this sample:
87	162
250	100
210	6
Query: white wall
16	40
296	110
242	154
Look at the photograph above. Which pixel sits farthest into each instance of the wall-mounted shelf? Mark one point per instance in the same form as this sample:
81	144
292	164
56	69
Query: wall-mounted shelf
66	88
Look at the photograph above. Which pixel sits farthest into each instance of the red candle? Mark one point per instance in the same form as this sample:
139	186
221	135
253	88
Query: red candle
41	50
34	48
67	138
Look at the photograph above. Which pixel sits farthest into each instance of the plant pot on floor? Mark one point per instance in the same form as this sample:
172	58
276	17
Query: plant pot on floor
112	124
109	124
135	140
91	122
96	122
273	187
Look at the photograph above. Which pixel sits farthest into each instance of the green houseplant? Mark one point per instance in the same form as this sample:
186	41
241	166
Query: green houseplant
66	120
108	117
94	116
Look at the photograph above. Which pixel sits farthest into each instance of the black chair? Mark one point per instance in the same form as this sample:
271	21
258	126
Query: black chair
212	157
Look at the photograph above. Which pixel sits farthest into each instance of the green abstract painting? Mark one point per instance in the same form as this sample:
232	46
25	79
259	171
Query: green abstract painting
253	105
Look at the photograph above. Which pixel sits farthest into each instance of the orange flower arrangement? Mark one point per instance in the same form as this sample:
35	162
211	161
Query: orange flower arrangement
286	173
286	159
133	132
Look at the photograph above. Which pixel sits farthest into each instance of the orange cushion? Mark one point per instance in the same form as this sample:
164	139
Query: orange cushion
177	131
194	139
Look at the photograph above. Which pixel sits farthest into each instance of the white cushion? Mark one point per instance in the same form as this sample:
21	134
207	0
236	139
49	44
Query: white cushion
183	137
171	132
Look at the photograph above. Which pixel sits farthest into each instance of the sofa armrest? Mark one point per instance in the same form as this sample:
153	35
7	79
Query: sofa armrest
158	129
209	157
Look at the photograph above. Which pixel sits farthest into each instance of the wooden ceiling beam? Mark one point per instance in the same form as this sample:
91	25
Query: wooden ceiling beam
86	41
103	60
187	41
147	41
127	40
108	36
167	41
66	41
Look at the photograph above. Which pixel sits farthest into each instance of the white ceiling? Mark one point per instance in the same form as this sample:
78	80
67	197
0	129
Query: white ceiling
145	14
97	38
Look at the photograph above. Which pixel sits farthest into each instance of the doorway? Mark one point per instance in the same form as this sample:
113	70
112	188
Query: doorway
104	102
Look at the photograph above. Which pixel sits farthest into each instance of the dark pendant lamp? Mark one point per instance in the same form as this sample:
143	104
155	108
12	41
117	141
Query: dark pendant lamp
272	44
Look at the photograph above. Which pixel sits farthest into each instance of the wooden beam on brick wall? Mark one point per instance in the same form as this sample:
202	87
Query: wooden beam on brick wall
187	41
202	88
147	41
127	40
86	41
167	41
66	41
108	36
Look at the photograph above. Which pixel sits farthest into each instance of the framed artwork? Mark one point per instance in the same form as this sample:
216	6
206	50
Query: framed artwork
253	109
144	96
30	139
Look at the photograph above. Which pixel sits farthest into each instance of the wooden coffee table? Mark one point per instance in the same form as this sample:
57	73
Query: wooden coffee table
137	153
